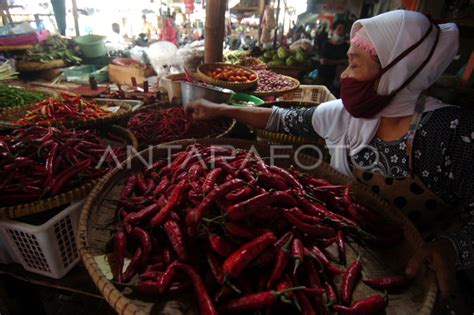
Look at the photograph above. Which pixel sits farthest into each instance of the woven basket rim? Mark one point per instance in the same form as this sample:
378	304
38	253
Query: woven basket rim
279	92
236	86
124	305
20	210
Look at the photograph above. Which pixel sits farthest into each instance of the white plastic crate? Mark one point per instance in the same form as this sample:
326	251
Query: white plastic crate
48	249
309	93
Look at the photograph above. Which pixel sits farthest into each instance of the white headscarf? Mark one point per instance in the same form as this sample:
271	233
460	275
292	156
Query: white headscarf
391	34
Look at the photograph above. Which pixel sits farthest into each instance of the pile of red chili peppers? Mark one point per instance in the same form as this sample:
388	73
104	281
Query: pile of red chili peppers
39	162
62	109
246	236
154	126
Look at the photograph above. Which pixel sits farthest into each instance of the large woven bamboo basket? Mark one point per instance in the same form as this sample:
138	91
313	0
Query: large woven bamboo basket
281	92
96	229
235	86
21	210
125	109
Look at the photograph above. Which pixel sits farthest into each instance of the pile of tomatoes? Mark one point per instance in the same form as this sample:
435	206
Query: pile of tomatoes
231	74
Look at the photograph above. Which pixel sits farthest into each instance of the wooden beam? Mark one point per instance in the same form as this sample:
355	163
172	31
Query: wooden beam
76	17
276	28
214	30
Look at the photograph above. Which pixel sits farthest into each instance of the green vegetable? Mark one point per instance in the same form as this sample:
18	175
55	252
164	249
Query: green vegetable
12	96
55	47
283	53
268	55
300	56
291	61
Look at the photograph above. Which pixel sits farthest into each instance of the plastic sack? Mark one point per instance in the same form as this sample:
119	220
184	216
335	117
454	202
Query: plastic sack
162	56
303	43
191	56
139	54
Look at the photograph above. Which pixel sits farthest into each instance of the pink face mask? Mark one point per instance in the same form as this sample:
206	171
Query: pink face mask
361	99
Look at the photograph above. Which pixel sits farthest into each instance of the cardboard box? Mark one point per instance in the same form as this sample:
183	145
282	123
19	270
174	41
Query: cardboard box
123	75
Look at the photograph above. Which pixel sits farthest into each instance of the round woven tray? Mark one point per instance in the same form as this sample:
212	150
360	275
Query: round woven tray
16	211
296	85
159	106
12	114
235	86
96	229
32	66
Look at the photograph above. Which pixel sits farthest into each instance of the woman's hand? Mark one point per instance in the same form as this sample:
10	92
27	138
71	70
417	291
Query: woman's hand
441	258
204	110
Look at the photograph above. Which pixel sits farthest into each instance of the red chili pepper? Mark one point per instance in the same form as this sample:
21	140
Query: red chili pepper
283	240
143	214
253	302
266	256
281	263
145	242
151	275
374	304
173	201
284	199
243	256
195	171
150	186
245	208
240	230
164	183
176	238
331	293
297	252
211	179
206	307
388	282
216	267
341	247
288	177
133	266
349	280
141	182
50	161
150	287
306	307
129	187
64	176
194	217
220	246
120	245
272	180
312	229
311	273
238	194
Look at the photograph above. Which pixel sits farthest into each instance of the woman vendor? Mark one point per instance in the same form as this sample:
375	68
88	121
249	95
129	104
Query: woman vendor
413	150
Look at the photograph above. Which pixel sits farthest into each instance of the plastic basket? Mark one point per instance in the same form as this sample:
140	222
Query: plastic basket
309	93
48	249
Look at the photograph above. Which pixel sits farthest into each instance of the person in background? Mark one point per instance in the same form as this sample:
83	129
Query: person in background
115	37
147	28
321	38
333	57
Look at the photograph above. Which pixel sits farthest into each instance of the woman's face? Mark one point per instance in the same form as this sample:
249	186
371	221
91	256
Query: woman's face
362	65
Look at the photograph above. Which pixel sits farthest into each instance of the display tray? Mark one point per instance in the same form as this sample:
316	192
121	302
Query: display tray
122	110
277	93
235	86
96	230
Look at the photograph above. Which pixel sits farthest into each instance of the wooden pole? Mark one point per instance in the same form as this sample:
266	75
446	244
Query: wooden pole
276	28
76	17
214	30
